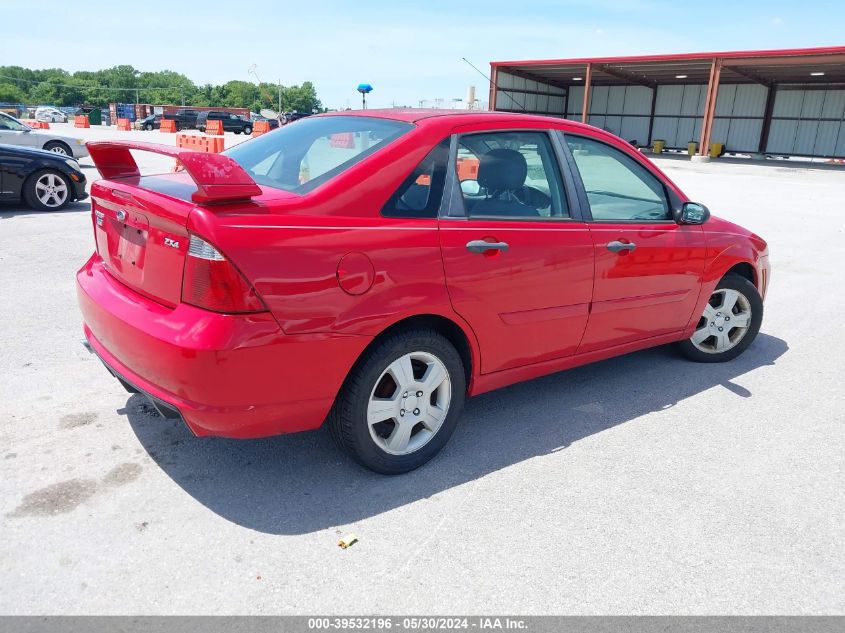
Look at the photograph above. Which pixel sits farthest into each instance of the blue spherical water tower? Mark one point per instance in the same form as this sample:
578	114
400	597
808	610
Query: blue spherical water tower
364	89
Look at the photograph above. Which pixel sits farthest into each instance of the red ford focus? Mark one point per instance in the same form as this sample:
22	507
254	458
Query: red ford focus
372	270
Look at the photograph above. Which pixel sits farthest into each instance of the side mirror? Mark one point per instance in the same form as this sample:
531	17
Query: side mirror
692	213
470	187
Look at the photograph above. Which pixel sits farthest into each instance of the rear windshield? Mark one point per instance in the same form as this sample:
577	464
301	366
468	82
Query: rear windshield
302	156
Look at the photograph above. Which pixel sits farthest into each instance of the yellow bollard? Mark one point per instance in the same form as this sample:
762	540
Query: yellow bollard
716	149
692	148
657	146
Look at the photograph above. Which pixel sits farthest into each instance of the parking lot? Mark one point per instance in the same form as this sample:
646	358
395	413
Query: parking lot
639	485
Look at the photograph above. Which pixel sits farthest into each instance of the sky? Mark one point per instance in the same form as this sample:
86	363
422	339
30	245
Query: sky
408	51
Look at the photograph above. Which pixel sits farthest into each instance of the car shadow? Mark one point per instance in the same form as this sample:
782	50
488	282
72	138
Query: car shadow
297	484
10	210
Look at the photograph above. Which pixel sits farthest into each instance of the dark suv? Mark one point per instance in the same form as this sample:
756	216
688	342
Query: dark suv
231	122
185	118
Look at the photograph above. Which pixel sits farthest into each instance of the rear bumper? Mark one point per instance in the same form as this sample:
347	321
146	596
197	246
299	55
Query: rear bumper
225	375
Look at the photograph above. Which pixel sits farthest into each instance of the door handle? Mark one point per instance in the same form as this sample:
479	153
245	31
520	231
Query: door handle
480	246
616	246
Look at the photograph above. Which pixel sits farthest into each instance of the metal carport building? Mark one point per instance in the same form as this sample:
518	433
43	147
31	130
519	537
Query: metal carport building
781	102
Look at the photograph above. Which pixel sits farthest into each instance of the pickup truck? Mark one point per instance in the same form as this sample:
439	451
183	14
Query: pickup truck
186	118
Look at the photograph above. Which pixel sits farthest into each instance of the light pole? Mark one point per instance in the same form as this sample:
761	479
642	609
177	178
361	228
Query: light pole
251	71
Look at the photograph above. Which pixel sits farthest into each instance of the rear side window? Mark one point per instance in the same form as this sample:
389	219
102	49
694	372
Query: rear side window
302	156
510	175
420	194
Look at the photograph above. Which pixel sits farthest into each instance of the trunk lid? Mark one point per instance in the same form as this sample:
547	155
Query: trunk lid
142	237
140	222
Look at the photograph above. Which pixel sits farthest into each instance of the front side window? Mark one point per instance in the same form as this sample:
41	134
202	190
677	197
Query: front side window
510	175
303	156
617	186
8	123
420	194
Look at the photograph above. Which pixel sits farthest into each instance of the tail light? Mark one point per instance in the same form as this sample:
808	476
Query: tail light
212	282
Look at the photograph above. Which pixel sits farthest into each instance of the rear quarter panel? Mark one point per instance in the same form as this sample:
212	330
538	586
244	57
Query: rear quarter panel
290	248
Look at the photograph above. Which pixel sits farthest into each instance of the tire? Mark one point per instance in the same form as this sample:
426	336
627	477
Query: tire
148	127
57	147
430	414
247	130
717	338
36	195
236	131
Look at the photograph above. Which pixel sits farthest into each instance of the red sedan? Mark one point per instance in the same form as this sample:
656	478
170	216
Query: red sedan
371	270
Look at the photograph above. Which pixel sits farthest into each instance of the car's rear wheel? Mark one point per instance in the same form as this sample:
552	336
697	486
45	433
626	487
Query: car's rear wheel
401	403
47	190
729	324
57	147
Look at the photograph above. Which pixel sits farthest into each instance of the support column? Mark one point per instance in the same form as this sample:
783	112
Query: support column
494	87
588	76
651	115
767	118
710	107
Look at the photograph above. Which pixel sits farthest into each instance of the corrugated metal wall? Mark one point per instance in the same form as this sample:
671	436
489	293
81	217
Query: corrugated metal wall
738	122
526	95
808	123
678	111
622	110
677	114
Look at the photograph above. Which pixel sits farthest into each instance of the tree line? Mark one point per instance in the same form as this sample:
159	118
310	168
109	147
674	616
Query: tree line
125	84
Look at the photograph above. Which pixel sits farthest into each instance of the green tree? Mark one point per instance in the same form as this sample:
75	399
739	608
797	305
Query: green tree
125	83
301	98
11	93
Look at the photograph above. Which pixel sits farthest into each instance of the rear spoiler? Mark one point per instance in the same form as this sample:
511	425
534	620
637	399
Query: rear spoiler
218	178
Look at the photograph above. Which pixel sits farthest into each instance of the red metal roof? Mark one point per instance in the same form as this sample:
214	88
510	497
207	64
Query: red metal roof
781	52
781	66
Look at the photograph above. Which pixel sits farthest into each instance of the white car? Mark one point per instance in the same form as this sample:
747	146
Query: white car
50	114
13	132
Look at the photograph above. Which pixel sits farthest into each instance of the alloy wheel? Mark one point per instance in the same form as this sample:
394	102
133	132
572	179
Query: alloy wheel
59	149
409	403
726	319
51	190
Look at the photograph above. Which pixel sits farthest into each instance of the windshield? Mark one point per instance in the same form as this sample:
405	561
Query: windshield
10	123
303	155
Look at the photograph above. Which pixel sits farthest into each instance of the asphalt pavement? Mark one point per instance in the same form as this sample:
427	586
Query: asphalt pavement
645	484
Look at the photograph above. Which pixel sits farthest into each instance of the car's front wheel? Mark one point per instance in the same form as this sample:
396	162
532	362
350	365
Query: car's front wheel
57	147
148	127
729	324
401	402
247	130
47	190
